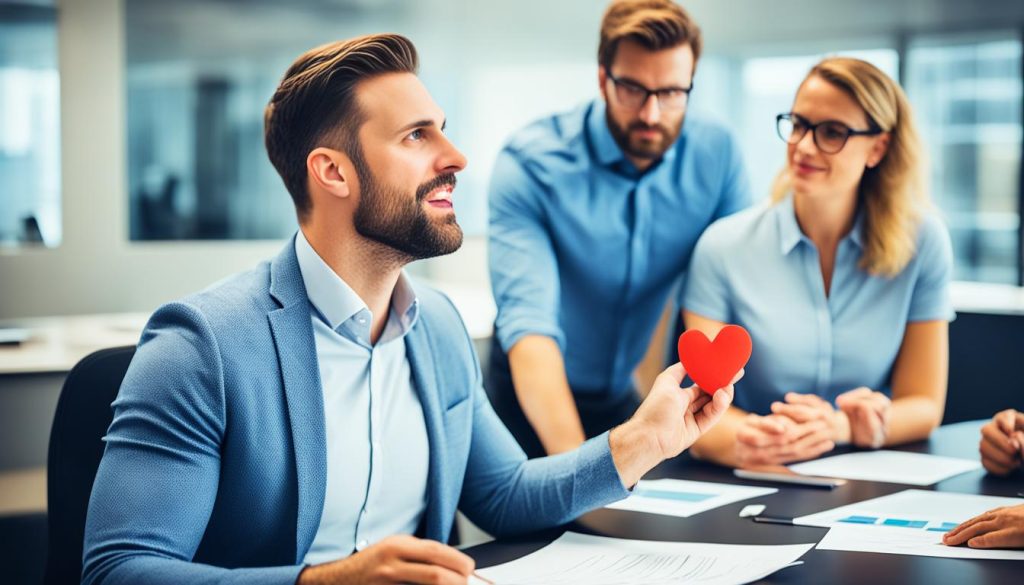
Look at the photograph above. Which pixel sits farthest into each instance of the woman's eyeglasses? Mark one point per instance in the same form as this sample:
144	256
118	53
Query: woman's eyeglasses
830	136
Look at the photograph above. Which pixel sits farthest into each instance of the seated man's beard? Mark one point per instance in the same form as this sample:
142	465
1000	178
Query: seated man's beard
390	217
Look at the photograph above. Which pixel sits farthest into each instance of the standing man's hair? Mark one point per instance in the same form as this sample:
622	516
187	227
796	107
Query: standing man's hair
654	24
315	104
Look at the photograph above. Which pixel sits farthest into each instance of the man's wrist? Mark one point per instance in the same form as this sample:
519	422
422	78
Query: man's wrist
634	452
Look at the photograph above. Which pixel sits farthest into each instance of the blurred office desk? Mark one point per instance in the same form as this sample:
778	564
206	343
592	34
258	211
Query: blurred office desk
56	344
32	373
723	525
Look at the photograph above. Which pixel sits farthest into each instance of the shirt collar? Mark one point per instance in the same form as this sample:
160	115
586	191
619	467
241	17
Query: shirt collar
605	147
790	233
337	303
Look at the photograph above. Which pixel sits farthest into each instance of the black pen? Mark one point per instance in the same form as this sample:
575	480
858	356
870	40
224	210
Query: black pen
773	520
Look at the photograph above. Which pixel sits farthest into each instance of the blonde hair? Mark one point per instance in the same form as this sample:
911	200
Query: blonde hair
892	193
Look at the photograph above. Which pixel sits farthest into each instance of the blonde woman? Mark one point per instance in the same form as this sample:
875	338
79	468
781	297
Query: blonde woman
842	281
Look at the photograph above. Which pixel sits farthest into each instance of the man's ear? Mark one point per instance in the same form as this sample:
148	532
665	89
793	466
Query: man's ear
879	149
602	81
331	171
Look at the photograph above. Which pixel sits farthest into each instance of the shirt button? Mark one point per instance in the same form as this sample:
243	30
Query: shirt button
362	544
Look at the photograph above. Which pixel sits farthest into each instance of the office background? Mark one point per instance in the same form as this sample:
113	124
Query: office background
132	168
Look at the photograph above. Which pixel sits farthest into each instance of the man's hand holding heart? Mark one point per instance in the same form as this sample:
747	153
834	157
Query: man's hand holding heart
672	418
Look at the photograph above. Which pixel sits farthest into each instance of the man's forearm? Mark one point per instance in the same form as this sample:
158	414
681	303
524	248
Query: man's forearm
633	452
542	388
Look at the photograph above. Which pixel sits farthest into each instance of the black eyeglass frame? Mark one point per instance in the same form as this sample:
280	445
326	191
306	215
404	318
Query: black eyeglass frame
874	130
618	81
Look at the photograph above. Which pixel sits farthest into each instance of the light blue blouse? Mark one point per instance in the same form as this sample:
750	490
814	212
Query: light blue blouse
758	269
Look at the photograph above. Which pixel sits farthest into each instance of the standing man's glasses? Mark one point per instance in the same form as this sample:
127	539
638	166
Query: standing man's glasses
633	95
830	136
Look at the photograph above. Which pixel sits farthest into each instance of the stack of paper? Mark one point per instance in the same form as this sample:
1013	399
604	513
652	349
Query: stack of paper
597	560
677	497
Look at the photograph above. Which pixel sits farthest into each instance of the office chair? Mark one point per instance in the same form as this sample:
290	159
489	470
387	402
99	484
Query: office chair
984	377
82	418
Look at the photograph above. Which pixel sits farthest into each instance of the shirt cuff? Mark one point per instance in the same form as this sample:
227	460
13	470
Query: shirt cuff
509	335
597	480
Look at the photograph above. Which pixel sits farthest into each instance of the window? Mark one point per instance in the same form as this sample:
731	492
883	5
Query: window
29	126
966	90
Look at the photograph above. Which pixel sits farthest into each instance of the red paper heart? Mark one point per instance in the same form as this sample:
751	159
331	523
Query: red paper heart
713	364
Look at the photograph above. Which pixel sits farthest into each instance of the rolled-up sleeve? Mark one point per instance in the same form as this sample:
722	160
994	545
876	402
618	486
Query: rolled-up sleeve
523	265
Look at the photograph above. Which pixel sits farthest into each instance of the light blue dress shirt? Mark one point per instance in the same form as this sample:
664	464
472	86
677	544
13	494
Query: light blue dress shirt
586	249
758	269
377	449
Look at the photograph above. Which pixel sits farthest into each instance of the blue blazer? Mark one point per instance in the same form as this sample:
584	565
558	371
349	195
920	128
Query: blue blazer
215	463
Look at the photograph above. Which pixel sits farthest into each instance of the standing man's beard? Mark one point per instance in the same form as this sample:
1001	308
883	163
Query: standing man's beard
388	216
636	148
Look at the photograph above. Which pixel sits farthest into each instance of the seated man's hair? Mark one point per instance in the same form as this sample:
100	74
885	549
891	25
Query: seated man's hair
315	104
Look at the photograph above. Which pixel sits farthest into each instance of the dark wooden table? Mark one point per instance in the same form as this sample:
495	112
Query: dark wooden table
723	525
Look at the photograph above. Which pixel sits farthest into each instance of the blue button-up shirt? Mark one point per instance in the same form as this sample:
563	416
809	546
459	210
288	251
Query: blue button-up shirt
586	249
377	449
759	270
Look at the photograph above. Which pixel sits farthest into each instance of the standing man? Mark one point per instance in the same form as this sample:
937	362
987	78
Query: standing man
594	214
306	421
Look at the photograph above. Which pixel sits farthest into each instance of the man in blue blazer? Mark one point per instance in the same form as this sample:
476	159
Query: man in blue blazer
300	422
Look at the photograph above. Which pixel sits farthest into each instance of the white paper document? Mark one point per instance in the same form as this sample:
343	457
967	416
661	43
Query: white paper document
902	541
677	497
597	560
910	522
888	466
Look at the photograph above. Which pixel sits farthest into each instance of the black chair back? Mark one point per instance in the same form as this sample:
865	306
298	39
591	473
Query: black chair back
983	375
82	419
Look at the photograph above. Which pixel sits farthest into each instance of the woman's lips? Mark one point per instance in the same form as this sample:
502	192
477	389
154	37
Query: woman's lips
805	169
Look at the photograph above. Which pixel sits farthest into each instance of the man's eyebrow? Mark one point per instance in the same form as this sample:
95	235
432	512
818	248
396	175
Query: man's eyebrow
425	123
629	79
